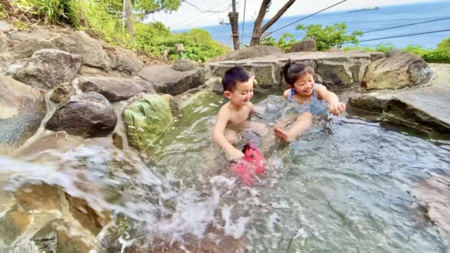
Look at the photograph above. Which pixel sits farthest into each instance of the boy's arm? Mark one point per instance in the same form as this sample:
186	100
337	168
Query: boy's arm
332	99
219	137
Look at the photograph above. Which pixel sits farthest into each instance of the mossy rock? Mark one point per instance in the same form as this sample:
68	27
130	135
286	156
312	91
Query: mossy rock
147	121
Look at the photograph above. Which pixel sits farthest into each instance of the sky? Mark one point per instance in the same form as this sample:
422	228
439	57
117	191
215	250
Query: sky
200	13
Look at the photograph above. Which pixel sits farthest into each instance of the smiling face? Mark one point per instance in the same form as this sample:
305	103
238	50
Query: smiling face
241	94
304	84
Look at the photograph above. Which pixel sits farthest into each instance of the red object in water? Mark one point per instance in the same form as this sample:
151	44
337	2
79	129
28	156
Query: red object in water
252	164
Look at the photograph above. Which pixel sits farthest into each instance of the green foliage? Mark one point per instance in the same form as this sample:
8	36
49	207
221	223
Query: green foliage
52	11
285	41
330	36
384	47
103	18
444	44
140	7
155	39
440	55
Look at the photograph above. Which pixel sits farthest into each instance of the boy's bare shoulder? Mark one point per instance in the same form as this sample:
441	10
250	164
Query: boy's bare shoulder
224	109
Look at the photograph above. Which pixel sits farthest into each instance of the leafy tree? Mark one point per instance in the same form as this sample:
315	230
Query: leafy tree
258	27
285	41
140	8
330	36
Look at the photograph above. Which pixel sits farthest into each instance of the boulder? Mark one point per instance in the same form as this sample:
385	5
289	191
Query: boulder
80	43
26	48
397	70
115	88
3	43
424	109
47	68
252	52
33	34
215	84
44	218
62	93
147	121
22	110
5	27
126	61
334	73
173	82
86	115
184	65
306	45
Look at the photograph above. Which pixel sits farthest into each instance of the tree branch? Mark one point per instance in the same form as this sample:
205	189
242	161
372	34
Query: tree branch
277	16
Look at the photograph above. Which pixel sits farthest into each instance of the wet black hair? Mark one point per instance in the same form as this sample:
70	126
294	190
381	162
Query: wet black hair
292	71
234	75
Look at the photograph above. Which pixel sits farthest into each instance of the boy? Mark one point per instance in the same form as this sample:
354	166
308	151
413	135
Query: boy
232	117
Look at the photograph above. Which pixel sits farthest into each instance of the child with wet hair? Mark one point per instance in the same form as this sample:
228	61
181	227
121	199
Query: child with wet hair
312	99
233	116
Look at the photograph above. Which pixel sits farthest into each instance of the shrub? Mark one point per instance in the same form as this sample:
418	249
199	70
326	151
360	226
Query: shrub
285	41
330	36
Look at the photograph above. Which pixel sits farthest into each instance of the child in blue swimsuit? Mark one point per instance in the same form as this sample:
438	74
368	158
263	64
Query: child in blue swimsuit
312	99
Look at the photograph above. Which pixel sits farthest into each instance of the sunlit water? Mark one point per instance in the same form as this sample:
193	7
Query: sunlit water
348	190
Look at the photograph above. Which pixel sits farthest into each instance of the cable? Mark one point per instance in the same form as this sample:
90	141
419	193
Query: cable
243	22
200	10
405	35
398	26
268	33
197	16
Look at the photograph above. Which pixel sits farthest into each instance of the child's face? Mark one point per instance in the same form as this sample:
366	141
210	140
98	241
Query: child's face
304	85
242	93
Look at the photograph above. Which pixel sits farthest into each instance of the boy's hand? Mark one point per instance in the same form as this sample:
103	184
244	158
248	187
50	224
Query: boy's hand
235	154
336	108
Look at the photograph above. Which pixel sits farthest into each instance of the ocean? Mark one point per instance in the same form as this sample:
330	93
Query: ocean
435	14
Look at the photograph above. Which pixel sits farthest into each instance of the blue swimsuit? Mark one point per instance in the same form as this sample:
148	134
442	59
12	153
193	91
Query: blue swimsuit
316	106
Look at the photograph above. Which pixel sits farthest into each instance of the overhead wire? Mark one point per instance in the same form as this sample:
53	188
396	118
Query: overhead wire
243	22
194	18
298	20
200	10
405	35
404	25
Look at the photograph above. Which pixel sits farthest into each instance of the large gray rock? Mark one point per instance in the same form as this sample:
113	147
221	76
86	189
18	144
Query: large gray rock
5	27
22	109
173	82
86	115
47	68
425	109
126	61
398	70
306	45
184	65
26	48
34	34
115	88
252	52
90	49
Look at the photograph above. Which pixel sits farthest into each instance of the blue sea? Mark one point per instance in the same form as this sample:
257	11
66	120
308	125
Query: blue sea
365	20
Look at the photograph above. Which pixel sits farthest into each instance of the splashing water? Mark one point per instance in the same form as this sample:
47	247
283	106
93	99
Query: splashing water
351	190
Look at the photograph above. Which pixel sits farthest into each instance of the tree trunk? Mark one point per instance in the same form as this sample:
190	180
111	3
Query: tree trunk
129	21
233	16
258	30
256	35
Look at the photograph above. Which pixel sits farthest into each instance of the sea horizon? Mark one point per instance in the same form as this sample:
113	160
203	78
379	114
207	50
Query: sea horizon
427	18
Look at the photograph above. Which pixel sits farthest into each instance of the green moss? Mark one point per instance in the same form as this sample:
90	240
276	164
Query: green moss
147	121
